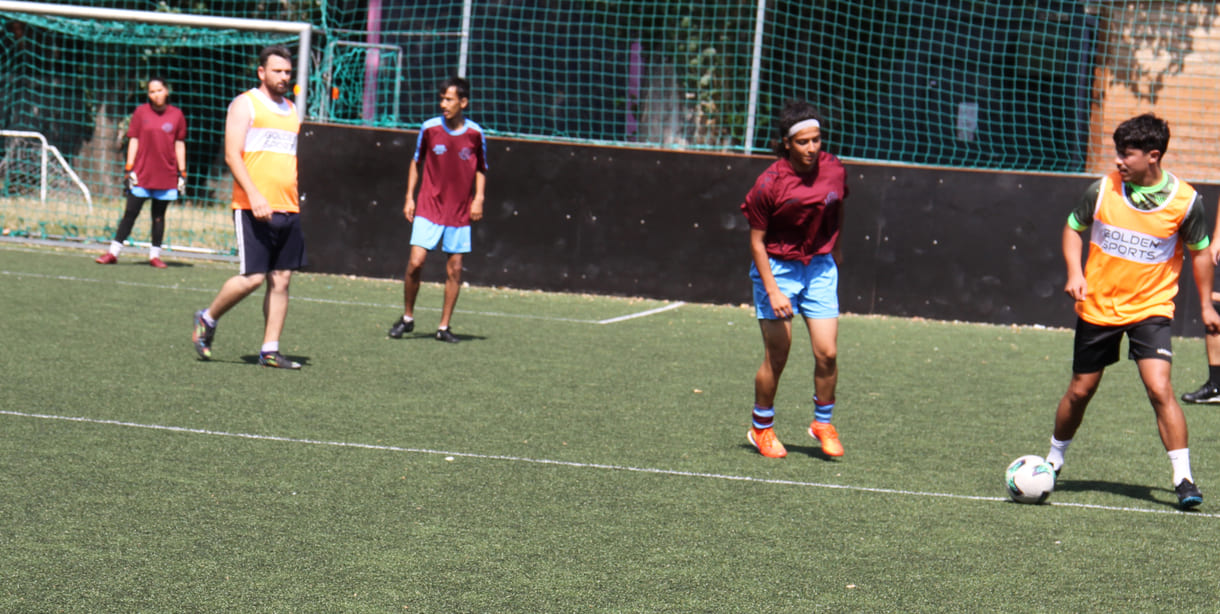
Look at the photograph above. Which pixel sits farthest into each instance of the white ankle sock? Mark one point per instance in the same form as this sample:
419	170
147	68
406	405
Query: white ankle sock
1181	465
1058	449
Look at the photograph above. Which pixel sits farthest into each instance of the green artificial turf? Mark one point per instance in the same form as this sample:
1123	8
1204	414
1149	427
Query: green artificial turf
559	459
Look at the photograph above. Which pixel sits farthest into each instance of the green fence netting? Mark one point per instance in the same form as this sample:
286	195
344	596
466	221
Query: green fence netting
1016	85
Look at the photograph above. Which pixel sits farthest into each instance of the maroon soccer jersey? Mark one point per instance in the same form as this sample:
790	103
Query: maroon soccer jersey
156	164
450	162
800	213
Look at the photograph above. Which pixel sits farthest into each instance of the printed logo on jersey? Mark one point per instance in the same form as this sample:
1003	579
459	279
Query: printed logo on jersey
167	127
272	140
1132	245
465	153
440	149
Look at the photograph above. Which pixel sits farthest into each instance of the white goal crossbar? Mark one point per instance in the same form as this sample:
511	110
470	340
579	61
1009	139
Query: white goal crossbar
302	29
46	148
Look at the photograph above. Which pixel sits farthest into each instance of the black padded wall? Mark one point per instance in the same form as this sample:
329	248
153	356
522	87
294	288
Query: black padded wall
939	243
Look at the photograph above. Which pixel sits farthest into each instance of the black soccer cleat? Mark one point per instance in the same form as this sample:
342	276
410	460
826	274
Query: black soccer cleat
1207	393
444	334
1188	494
401	328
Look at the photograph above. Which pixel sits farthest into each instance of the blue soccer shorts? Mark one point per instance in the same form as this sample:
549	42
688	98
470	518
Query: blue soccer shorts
812	288
139	192
452	239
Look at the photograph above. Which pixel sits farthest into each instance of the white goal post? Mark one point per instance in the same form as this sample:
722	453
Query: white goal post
45	148
301	29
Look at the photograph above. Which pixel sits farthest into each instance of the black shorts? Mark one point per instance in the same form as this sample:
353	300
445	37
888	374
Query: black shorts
274	245
1096	347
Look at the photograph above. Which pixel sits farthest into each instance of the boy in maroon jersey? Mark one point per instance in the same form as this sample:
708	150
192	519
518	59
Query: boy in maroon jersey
452	153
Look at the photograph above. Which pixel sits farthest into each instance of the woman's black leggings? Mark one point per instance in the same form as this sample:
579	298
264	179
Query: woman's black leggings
134	205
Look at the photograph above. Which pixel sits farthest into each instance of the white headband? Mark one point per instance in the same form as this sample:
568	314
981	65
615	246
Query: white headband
801	125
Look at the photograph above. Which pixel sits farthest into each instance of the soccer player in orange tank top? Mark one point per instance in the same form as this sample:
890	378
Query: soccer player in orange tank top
260	149
1139	218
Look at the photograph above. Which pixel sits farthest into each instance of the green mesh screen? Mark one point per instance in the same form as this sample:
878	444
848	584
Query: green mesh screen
1022	86
76	82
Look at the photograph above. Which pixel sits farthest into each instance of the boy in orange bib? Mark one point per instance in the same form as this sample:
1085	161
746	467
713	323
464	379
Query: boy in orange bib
1139	218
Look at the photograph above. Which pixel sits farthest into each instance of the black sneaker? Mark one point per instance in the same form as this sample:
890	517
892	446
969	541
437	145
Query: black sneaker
276	360
1188	494
400	328
444	334
201	336
1207	393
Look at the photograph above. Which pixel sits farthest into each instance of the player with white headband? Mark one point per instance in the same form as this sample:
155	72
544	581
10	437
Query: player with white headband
795	211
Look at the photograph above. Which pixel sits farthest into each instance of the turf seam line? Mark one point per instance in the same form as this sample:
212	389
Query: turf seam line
579	465
308	299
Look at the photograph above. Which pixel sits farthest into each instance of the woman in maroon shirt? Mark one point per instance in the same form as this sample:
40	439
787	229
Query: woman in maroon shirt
795	211
156	168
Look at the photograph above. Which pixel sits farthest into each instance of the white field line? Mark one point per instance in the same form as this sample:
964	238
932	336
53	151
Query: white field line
308	299
576	465
643	313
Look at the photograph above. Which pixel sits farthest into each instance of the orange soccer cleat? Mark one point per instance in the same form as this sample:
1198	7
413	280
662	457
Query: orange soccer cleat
826	434
767	443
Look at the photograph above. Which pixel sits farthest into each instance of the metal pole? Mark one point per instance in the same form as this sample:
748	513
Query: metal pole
463	54
397	88
303	72
44	169
755	72
328	80
372	61
206	21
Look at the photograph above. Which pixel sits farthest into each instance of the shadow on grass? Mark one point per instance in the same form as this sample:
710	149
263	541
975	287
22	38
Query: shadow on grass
417	335
252	359
1133	491
810	451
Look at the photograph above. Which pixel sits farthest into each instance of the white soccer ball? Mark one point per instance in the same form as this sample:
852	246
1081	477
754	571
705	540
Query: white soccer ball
1029	479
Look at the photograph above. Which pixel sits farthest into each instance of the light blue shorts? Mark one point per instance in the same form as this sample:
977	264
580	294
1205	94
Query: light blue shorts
813	288
139	192
452	239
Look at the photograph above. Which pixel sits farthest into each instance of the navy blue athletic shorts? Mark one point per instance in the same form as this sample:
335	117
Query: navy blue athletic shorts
274	245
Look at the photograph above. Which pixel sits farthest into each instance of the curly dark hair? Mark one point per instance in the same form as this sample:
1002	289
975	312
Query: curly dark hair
793	111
